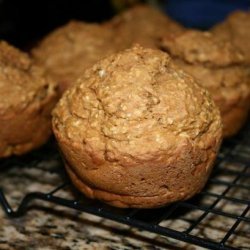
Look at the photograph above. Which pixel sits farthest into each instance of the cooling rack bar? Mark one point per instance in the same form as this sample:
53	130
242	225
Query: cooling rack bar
211	207
154	228
225	197
4	203
235	225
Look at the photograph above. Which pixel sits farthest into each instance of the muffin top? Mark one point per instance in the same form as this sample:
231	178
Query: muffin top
69	49
197	47
236	28
21	82
142	24
236	24
216	63
133	103
239	20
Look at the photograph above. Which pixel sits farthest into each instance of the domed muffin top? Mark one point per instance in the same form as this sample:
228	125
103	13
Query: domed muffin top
133	103
202	47
66	51
20	81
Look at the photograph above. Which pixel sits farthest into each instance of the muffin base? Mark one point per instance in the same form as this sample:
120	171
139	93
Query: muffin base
141	201
124	201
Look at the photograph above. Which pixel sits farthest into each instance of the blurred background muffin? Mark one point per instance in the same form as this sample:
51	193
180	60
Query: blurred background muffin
219	67
236	27
26	100
67	51
142	24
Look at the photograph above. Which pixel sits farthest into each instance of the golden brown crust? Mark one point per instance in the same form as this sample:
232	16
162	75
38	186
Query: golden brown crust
142	24
236	28
132	126
219	67
67	51
202	47
26	100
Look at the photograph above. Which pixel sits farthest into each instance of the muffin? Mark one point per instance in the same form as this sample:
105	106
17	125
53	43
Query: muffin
70	49
142	24
26	101
219	67
137	132
236	28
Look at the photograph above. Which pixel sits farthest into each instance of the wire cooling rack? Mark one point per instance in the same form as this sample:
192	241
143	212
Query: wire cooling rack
217	218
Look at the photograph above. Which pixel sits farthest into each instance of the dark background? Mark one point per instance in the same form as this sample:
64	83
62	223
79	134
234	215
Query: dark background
24	22
203	13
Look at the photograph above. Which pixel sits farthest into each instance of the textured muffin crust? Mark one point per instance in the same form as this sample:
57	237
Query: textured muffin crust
26	100
137	132
69	50
236	28
219	67
142	24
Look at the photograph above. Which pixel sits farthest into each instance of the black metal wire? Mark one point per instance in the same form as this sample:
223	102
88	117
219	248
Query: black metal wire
234	152
237	222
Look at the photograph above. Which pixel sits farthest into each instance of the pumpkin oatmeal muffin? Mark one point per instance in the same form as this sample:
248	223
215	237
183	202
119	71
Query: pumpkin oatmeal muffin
218	66
142	24
136	131
236	28
26	101
67	51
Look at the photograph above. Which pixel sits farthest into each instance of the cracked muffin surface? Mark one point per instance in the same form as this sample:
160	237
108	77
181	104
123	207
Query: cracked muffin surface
218	66
67	51
137	132
26	100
